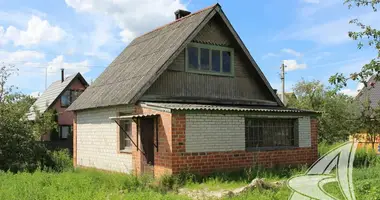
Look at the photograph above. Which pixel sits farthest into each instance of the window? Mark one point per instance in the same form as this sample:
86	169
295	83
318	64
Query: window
69	96
64	132
209	59
124	132
65	99
269	132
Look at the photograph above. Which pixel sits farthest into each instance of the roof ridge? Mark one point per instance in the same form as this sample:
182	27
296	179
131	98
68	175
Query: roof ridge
177	20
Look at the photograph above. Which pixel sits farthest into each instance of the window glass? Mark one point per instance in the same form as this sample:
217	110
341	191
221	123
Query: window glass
205	59
125	131
75	94
65	99
65	131
226	62
193	57
215	60
269	132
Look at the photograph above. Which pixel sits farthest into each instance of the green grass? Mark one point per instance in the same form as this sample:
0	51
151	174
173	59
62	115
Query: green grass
93	184
78	184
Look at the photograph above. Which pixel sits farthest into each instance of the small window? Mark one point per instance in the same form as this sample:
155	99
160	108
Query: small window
65	99
269	132
69	96
215	60
209	59
205	59
64	132
193	57
125	134
226	61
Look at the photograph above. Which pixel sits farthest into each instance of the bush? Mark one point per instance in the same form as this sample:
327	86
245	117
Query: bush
60	160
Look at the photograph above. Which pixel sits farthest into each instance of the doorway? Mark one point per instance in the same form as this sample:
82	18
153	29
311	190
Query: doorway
147	143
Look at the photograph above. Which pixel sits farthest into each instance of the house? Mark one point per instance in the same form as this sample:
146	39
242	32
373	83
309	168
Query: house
289	96
371	95
58	97
188	96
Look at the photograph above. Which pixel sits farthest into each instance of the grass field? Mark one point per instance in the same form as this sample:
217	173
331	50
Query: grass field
92	184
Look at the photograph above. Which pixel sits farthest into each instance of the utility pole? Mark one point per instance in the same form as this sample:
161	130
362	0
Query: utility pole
282	75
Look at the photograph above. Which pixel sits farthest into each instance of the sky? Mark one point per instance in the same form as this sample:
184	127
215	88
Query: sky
40	37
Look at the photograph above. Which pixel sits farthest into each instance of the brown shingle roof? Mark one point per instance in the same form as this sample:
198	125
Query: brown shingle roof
138	63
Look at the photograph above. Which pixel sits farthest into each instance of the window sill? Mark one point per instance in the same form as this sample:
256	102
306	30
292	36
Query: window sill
271	148
127	151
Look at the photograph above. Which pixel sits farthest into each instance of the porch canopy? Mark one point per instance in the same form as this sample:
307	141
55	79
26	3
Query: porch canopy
128	117
135	117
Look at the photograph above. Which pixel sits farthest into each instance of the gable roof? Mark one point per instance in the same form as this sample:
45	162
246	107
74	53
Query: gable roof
127	78
52	93
370	92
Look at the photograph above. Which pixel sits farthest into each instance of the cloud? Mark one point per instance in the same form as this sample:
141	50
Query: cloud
54	66
331	32
131	17
292	65
352	92
292	52
19	57
37	31
35	94
268	55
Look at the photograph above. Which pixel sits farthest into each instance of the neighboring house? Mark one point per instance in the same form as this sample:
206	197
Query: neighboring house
288	97
371	95
188	96
58	97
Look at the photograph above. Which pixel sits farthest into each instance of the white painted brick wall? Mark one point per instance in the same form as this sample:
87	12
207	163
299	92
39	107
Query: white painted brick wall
218	132
304	131
97	140
214	132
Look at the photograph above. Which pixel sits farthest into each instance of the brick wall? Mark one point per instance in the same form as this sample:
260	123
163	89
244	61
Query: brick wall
207	162
214	132
97	140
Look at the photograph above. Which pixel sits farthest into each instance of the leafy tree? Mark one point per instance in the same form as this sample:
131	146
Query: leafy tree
366	36
337	119
369	119
44	123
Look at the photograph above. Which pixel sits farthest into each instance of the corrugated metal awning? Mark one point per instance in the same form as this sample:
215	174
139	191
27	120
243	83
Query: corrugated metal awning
126	117
194	107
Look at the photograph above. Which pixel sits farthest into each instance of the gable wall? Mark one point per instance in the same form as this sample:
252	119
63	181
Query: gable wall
176	83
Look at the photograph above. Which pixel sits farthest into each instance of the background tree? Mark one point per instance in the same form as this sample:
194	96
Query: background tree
338	112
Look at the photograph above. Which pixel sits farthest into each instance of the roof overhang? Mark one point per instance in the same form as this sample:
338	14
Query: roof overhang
131	117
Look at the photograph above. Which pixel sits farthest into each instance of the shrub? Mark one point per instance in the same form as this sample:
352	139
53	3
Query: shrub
60	160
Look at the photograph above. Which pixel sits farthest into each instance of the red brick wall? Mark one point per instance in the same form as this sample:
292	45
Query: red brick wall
172	158
205	163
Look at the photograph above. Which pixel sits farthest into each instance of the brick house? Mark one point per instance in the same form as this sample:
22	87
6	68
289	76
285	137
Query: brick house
188	96
58	97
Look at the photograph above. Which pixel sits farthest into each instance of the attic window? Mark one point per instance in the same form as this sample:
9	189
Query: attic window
209	59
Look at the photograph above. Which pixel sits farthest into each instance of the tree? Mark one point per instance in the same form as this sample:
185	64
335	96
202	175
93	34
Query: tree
337	119
367	36
44	123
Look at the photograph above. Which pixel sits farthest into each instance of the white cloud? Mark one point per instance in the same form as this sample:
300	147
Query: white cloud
132	17
54	66
291	52
268	55
19	57
352	92
331	32
35	94
292	65
37	31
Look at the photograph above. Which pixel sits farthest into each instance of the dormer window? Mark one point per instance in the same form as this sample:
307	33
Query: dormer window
209	59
